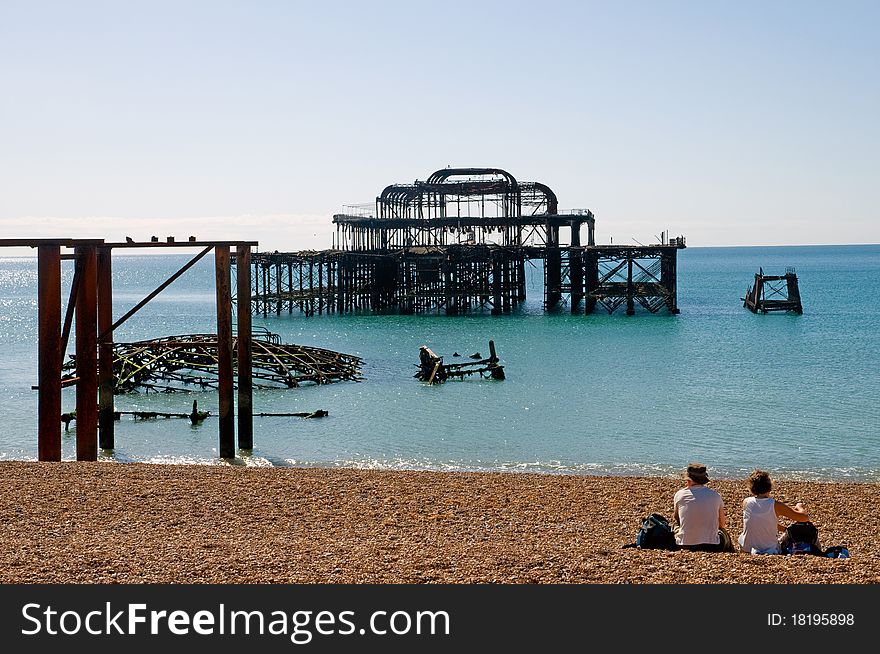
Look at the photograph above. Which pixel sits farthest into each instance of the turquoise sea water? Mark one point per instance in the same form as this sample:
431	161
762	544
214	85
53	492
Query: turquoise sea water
797	395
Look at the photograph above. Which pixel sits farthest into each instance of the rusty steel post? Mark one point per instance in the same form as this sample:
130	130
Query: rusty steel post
225	382
245	372
87	356
50	354
106	381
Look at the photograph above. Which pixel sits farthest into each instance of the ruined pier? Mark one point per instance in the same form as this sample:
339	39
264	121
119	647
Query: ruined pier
460	242
774	293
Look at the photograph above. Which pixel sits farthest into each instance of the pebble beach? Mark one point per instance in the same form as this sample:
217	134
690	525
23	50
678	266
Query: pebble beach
77	522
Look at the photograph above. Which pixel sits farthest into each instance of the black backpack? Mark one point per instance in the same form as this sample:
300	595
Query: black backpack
655	534
801	538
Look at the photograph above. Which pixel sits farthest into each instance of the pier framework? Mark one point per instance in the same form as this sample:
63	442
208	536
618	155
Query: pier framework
774	293
89	316
459	242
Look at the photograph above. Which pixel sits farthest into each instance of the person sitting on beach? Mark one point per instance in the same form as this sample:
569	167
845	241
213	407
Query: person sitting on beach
761	513
698	513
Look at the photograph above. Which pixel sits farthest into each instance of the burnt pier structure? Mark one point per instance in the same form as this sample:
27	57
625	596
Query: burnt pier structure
774	293
459	242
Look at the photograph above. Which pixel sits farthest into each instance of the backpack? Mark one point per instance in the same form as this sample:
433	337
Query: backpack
801	538
836	552
655	534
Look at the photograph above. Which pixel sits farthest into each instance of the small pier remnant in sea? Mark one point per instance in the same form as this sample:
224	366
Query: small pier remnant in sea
774	293
459	242
433	371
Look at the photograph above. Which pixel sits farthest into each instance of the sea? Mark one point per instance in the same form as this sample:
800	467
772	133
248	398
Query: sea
584	394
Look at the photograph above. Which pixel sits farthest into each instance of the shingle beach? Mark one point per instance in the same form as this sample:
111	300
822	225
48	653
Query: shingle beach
149	523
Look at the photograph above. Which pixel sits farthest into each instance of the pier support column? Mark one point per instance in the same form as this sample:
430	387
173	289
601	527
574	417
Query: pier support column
50	355
521	279
576	275
794	293
278	289
340	284
265	275
106	380
507	290
225	382
245	366
496	284
630	304
576	266
552	269
450	293
591	280
87	355
668	279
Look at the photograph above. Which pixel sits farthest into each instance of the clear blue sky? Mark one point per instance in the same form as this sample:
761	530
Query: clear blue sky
732	123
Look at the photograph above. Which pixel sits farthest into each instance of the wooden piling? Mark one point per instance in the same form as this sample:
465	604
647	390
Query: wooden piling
225	382
106	424
87	355
245	366
50	354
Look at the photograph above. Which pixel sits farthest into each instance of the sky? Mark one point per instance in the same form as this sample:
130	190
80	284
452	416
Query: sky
746	123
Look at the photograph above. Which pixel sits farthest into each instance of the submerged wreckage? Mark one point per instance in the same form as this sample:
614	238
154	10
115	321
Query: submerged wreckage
433	371
190	362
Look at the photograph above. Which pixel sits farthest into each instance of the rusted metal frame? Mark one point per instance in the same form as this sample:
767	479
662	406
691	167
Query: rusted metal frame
155	357
287	374
140	305
612	272
161	244
71	304
600	292
646	303
106	381
50	355
87	355
646	271
244	346
225	382
774	290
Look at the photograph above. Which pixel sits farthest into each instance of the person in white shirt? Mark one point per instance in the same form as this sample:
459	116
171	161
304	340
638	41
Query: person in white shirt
761	513
698	513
